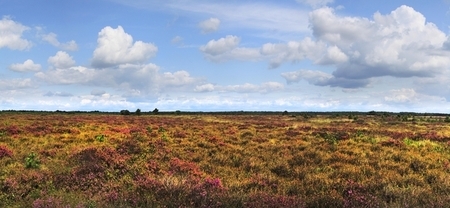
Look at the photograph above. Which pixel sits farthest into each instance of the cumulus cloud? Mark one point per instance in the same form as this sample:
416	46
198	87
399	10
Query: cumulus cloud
408	96
71	75
52	39
27	66
220	46
177	79
227	48
61	60
115	47
131	79
292	51
316	3
11	35
333	55
204	88
396	44
210	25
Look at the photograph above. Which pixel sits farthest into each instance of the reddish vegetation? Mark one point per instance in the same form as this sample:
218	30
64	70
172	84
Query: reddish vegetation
106	160
5	152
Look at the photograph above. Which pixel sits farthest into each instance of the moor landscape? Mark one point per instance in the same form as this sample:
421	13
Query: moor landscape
61	159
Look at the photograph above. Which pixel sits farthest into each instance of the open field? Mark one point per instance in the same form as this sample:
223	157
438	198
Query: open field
106	160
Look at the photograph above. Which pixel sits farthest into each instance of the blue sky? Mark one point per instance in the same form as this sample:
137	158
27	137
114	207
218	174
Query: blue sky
200	55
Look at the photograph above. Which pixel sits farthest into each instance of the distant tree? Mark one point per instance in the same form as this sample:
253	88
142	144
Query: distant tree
373	113
447	119
138	112
156	111
177	112
285	113
124	112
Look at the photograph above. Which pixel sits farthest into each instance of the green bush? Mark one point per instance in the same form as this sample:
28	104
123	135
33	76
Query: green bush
32	161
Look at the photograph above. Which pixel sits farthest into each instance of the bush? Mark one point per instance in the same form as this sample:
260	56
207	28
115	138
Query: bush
124	112
5	152
32	161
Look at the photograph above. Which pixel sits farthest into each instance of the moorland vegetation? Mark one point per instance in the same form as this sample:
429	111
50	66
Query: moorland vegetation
282	159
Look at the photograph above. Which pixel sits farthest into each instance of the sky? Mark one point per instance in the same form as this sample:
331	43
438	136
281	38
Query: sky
210	55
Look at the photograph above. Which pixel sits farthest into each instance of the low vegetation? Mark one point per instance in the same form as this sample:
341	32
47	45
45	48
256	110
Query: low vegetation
231	160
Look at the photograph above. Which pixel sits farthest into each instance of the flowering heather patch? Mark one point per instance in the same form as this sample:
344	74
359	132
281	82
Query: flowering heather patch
110	160
5	152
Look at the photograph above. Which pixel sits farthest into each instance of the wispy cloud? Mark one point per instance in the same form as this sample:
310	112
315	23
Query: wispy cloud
271	20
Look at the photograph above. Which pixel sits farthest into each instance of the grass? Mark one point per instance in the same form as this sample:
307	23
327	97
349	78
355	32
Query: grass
96	160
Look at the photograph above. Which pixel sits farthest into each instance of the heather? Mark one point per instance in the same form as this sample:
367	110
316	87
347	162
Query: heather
223	160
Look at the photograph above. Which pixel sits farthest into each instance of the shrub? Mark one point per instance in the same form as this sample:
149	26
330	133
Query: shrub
32	161
5	152
138	112
124	112
100	138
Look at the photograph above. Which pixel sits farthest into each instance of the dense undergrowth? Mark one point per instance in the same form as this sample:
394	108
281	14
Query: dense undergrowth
60	160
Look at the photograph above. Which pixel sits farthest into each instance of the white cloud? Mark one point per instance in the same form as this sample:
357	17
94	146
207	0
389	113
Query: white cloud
315	3
292	51
115	47
27	66
106	101
58	94
131	79
176	79
226	48
11	35
71	75
204	88
52	39
313	77
334	55
319	78
210	25
266	87
408	96
396	44
271	87
220	46
434	86
61	60
402	96
14	84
